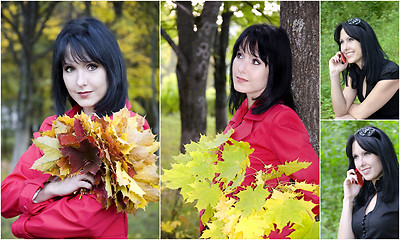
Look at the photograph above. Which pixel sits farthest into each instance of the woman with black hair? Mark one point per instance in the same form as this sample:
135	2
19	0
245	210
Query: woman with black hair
367	72
88	70
371	188
265	117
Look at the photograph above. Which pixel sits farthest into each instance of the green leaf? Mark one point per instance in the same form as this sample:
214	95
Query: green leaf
214	231
178	177
236	159
250	199
205	193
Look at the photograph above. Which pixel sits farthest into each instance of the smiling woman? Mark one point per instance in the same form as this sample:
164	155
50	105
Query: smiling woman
86	82
367	72
370	206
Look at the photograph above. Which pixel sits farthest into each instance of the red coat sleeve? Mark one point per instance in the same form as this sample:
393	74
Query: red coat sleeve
290	141
65	217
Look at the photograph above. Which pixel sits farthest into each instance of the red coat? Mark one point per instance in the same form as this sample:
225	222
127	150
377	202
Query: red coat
277	135
65	217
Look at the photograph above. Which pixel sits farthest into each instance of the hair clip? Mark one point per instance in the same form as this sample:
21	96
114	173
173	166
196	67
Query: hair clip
366	132
356	22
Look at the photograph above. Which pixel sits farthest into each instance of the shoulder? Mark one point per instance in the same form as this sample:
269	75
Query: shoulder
46	125
280	116
390	70
281	113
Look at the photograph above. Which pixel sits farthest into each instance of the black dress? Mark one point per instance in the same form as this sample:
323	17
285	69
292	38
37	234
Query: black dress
390	70
382	221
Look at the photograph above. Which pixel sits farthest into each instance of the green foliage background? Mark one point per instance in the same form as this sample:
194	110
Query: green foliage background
383	16
334	165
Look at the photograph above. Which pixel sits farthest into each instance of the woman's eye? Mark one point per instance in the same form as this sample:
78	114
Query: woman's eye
355	157
68	69
239	55
92	67
256	62
367	153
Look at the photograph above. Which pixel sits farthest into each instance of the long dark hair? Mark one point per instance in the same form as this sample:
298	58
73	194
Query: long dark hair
272	46
373	55
90	40
375	141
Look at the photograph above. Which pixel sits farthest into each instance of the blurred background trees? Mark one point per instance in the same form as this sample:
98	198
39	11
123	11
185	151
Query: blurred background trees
28	31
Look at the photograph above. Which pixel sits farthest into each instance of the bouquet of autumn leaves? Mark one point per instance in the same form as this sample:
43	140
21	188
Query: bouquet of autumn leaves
118	152
235	211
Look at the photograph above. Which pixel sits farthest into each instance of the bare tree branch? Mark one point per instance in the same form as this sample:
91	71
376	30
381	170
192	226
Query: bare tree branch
49	11
183	9
13	26
173	45
42	54
262	14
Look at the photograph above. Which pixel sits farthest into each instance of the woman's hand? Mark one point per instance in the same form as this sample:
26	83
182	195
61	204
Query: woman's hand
336	65
350	186
65	187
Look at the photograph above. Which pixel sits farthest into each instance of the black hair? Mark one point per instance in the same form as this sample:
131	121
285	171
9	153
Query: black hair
373	55
272	46
88	39
375	141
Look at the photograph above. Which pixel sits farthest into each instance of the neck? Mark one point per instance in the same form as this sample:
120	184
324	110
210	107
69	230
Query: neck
376	179
88	111
250	102
360	64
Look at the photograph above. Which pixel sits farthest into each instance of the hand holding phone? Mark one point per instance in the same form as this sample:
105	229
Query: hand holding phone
360	180
342	57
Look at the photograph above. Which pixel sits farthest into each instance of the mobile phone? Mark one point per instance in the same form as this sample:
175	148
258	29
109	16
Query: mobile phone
344	60
360	180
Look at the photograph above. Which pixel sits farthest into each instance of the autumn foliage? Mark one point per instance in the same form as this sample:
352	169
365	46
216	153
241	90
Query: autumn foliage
117	151
235	211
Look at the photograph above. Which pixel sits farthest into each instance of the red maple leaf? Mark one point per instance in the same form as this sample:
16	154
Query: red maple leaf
67	140
87	157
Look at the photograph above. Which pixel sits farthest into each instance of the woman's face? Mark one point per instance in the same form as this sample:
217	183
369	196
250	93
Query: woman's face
351	48
250	74
368	164
86	82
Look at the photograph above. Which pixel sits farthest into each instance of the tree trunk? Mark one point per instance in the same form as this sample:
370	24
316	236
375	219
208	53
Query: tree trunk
221	41
154	60
301	21
192	67
28	33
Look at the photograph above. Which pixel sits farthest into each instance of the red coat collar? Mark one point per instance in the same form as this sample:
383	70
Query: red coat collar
243	120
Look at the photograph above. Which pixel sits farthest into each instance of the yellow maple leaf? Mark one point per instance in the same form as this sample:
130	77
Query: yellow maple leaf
293	166
254	226
147	174
50	147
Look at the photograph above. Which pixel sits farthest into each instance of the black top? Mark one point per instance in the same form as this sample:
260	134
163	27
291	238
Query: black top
382	221
390	70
